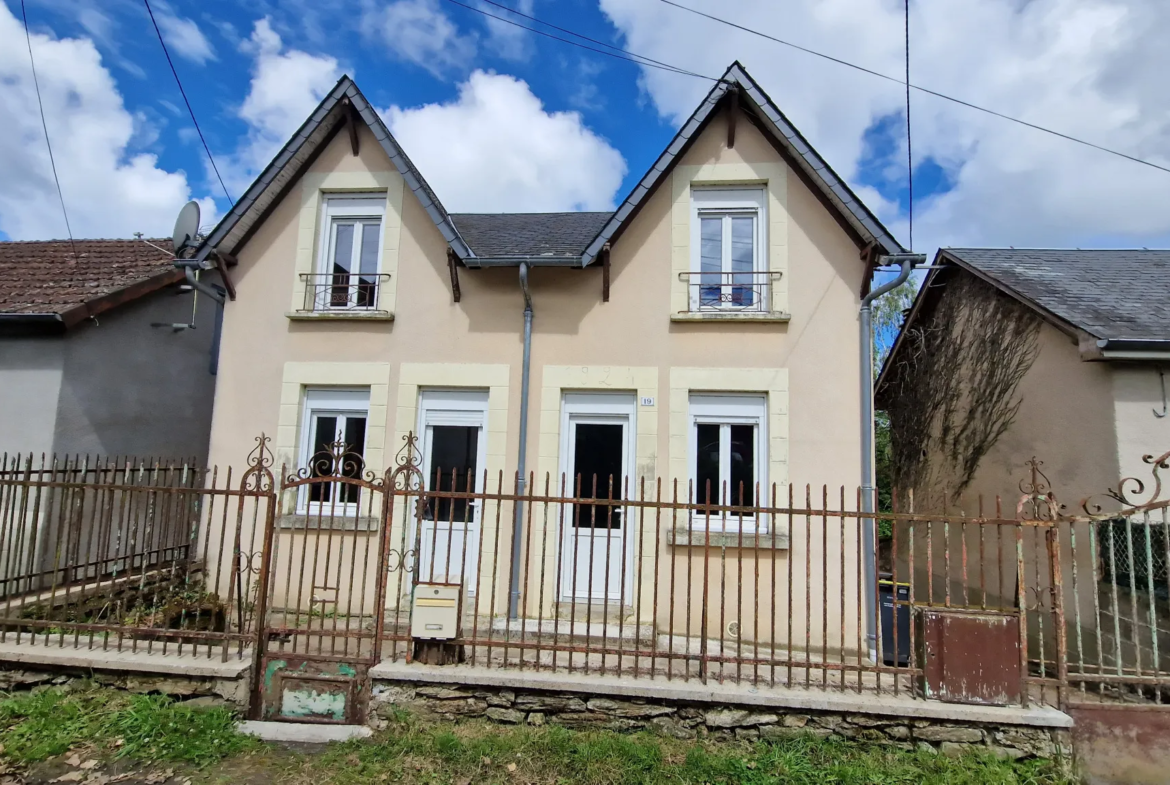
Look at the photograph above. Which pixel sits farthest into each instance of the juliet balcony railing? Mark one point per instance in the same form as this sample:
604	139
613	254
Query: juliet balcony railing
342	291
734	292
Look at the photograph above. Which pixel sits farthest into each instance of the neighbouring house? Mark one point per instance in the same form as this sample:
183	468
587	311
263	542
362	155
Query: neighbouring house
1012	354
92	361
704	335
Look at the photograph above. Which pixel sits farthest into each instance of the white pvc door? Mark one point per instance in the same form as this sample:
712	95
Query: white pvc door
453	428
597	454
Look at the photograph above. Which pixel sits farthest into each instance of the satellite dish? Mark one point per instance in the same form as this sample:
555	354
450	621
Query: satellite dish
186	227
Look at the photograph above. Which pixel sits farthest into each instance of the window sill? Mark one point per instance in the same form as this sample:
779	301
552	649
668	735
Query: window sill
770	317
340	316
337	522
699	539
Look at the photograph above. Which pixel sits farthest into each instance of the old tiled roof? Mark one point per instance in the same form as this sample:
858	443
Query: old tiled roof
43	277
529	234
1110	294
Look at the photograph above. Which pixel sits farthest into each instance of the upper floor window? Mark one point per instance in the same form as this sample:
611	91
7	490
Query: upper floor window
348	274
729	269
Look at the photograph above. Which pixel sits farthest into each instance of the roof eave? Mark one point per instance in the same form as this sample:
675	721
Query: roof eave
515	261
832	187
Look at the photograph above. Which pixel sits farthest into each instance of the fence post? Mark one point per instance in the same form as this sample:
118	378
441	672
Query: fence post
1057	584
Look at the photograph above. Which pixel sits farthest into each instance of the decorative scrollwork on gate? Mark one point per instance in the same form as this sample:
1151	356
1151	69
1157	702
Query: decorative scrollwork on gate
1130	492
1038	502
400	560
258	477
250	562
407	474
338	461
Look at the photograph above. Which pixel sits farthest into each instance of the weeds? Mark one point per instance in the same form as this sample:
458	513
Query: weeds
38	725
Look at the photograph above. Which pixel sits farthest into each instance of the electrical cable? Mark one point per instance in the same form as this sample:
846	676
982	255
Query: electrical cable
919	88
190	111
627	56
40	104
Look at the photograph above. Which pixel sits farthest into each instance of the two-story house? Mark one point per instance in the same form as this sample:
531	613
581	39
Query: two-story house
704	335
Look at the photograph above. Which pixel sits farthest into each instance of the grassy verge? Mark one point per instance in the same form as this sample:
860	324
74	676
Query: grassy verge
35	726
145	731
477	752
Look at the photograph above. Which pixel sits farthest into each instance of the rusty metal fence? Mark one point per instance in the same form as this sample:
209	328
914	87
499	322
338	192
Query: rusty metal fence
319	571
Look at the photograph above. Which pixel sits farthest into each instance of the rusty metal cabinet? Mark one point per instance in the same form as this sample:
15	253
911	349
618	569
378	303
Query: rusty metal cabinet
969	656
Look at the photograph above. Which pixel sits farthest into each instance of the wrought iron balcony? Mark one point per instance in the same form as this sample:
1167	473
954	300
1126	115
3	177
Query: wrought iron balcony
342	291
736	292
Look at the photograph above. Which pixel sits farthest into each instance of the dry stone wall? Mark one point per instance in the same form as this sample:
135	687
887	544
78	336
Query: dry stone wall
692	721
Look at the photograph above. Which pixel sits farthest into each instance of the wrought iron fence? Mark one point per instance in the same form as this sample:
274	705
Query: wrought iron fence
775	587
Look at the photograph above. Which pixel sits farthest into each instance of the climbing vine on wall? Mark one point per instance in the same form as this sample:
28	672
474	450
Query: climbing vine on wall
954	391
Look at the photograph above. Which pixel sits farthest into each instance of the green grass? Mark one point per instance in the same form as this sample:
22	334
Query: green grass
479	753
38	725
105	724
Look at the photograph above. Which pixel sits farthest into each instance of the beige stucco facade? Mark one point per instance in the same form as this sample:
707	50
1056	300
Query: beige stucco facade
802	357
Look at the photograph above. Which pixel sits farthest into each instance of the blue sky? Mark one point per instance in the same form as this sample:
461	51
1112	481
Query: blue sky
252	71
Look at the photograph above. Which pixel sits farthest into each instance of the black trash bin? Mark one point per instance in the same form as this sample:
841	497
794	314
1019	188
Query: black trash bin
886	603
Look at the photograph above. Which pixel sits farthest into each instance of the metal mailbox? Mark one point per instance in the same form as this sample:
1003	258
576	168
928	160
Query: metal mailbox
435	612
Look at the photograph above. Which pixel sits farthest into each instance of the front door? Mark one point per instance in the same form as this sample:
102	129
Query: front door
598	435
452	424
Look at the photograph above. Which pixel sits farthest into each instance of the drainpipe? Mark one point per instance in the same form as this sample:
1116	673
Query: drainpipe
518	517
869	545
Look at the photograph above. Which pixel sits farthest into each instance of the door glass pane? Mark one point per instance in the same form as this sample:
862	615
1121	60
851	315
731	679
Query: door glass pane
597	460
342	260
320	456
710	260
352	466
368	265
706	463
452	468
743	465
742	259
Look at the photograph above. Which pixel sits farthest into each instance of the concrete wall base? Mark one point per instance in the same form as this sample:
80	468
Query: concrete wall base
691	720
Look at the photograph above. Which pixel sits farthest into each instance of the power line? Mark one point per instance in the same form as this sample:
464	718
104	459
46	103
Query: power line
920	89
40	105
190	111
624	55
909	151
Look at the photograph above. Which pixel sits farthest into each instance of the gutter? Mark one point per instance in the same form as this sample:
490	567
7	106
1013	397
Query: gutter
31	318
1149	349
520	261
518	508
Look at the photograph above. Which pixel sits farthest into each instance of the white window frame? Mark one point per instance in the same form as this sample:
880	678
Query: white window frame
727	203
727	410
328	402
355	207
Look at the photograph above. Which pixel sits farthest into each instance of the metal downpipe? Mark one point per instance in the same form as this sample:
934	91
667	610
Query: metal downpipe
518	508
869	543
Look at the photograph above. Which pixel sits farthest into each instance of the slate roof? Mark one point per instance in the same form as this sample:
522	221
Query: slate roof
529	234
43	277
1110	294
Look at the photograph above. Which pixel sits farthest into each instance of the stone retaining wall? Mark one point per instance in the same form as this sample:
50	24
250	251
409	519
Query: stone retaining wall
198	690
695	720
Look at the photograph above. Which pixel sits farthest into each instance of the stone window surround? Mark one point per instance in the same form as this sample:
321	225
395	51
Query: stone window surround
315	186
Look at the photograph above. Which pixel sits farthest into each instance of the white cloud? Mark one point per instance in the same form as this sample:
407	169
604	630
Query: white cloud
419	32
1092	68
286	87
109	191
185	38
495	148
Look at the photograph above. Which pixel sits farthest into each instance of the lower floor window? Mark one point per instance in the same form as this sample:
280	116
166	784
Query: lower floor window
334	445
727	455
